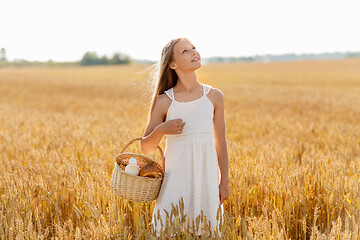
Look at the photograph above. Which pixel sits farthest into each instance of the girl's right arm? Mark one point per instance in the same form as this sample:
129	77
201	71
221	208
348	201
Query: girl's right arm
157	128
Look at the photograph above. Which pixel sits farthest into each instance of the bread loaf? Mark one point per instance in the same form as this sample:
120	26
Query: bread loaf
149	171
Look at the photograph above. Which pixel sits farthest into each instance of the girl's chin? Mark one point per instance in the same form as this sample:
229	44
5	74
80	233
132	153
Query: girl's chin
197	67
193	67
196	63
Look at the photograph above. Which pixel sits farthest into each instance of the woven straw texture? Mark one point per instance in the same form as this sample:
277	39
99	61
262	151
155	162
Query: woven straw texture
136	188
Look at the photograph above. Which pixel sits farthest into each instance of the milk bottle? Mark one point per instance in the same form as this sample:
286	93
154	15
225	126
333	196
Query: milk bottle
132	168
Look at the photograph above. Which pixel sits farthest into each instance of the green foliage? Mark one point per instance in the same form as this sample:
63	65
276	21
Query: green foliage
91	58
3	55
353	54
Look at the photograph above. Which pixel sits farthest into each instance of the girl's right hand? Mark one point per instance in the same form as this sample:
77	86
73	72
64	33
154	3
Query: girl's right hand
174	126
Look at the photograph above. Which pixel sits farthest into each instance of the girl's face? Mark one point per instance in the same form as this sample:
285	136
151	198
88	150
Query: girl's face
186	57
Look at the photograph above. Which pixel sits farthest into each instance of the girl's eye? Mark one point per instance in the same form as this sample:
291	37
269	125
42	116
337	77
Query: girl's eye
185	49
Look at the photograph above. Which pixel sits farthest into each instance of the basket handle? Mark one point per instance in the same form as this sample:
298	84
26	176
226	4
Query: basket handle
140	138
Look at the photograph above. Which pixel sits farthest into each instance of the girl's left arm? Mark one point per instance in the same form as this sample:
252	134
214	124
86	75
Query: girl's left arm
220	144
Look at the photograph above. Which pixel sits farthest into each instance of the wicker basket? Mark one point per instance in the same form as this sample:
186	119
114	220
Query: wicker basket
136	188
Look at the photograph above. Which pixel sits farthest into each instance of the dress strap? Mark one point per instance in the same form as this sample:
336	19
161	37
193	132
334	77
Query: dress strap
207	88
170	93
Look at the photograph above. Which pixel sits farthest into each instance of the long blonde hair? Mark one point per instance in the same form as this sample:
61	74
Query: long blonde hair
167	77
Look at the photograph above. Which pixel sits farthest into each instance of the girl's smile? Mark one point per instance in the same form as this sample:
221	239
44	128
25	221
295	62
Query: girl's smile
196	59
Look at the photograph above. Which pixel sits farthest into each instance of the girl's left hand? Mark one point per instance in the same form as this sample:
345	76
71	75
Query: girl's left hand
224	191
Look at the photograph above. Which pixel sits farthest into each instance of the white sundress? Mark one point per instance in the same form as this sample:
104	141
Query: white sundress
191	164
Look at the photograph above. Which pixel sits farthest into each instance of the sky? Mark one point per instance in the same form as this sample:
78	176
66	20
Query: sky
64	30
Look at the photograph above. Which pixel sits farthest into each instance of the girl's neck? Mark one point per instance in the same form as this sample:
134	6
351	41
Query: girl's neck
187	82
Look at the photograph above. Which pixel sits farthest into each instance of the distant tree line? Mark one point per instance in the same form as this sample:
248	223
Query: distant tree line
285	57
353	54
91	58
3	55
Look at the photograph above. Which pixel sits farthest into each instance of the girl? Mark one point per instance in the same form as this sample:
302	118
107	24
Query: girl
191	114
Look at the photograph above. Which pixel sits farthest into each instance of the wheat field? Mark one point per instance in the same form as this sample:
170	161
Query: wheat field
293	137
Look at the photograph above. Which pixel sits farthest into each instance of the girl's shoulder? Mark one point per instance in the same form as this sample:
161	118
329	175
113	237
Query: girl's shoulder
214	91
215	95
164	97
162	103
